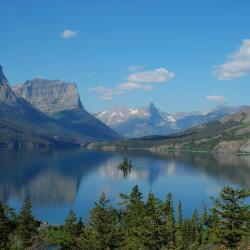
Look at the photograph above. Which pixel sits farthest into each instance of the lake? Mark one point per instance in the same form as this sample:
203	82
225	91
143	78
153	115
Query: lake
57	181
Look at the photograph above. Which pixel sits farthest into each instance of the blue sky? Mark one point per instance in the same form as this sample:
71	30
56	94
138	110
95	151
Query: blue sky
182	55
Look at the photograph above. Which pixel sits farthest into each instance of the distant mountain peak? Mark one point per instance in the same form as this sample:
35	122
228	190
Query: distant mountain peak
154	114
3	79
150	120
151	105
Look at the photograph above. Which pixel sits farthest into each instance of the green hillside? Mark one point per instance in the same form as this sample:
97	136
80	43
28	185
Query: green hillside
230	134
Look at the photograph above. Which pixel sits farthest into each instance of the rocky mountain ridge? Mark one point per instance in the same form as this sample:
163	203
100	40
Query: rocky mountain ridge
49	96
60	100
148	121
228	135
22	125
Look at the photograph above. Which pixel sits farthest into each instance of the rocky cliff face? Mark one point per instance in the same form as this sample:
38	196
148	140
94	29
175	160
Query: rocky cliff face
49	96
23	125
60	100
7	96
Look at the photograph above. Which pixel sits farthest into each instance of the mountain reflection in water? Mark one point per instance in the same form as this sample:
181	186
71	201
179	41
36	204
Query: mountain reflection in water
57	181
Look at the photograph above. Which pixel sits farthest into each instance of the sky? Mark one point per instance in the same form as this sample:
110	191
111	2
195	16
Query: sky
181	55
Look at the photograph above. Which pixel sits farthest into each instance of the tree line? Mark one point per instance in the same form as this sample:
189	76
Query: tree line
135	224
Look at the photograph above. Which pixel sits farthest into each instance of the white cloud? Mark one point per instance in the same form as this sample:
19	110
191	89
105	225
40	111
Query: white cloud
237	65
139	80
152	76
135	68
69	33
134	85
216	98
106	94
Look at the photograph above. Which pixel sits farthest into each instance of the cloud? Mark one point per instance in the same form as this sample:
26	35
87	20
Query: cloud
216	98
139	80
134	85
106	94
69	33
152	76
135	68
237	65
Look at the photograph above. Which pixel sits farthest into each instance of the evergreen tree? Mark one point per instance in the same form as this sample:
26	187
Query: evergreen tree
212	229
187	234
80	227
69	232
70	224
134	219
5	226
179	228
26	224
103	230
231	216
170	222
204	226
156	233
195	229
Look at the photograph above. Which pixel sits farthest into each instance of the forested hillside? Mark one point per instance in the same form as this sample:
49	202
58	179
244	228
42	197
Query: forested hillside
135	224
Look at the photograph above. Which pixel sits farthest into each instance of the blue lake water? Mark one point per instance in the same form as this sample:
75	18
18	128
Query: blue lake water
57	181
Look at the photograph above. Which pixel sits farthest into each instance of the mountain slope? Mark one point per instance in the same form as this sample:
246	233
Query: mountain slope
138	122
60	100
148	121
22	125
230	134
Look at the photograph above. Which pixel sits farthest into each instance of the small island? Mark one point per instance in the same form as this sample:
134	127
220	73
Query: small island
125	166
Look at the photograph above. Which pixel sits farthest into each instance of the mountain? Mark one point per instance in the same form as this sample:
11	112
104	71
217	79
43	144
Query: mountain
22	125
60	100
148	121
138	122
230	134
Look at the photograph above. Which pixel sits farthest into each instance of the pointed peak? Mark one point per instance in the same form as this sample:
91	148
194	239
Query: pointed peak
3	79
154	113
152	106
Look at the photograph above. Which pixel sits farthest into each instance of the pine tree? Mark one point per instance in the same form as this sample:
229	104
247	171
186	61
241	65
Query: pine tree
204	226
134	219
26	224
232	216
103	230
195	229
156	233
170	222
70	224
187	234
212	226
179	228
80	227
4	228
69	232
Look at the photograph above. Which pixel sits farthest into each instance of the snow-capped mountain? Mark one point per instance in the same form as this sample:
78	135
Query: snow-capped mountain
147	121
